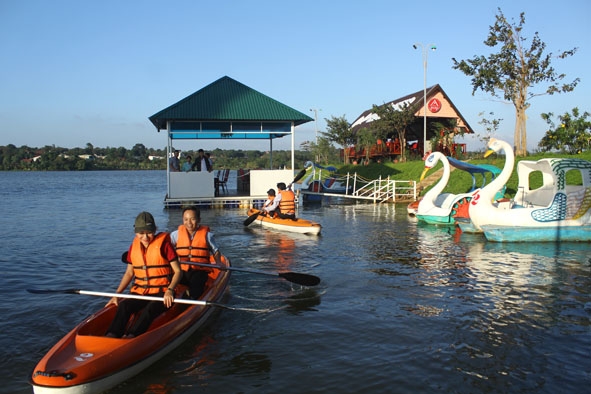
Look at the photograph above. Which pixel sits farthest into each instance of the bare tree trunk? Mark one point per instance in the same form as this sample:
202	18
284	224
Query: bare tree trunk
520	134
523	130
402	139
517	134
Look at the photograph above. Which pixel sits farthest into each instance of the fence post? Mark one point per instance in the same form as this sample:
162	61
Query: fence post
347	185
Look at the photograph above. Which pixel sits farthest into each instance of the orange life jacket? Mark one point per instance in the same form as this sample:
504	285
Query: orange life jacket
287	203
151	270
195	250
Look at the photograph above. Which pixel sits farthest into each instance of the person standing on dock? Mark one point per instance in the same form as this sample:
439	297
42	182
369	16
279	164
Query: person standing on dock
202	163
188	164
174	163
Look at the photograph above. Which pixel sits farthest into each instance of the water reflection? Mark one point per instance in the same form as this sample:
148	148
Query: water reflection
280	246
304	301
249	364
553	250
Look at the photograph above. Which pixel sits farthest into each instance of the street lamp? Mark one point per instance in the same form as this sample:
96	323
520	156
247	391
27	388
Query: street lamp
316	121
316	127
425	56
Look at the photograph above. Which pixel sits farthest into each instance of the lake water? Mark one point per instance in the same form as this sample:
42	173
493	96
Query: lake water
401	307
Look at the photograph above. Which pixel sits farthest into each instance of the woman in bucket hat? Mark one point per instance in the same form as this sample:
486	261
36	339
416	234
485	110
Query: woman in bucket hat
155	271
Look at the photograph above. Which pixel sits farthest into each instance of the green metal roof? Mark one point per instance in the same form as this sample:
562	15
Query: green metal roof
227	108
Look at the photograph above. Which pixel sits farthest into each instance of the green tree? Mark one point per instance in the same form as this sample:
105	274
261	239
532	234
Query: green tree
394	121
139	152
305	146
339	132
572	135
323	149
513	70
445	133
491	126
366	138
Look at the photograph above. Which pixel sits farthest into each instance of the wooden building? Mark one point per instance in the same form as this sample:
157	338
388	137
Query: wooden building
439	110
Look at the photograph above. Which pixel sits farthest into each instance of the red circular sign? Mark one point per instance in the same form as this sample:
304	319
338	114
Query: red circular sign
434	105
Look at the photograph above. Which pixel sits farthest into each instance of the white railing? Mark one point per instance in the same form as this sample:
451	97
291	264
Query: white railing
385	190
378	190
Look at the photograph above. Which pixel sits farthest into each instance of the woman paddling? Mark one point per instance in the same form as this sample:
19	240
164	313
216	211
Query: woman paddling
155	268
194	243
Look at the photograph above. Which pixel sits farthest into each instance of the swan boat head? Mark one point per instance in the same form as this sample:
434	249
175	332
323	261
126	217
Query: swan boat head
429	201
481	206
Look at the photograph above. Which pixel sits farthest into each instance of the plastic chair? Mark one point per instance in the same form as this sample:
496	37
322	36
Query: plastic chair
223	182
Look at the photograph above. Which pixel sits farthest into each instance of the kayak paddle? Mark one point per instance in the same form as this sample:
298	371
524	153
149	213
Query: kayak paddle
294	277
251	218
140	297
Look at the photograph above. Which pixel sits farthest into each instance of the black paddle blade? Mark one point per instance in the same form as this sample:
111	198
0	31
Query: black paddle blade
50	291
251	219
300	279
299	175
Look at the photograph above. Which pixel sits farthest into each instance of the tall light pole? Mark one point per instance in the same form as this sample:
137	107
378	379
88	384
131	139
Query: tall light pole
316	121
425	56
316	127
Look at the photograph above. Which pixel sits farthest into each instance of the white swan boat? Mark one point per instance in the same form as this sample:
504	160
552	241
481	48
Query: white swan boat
556	211
444	208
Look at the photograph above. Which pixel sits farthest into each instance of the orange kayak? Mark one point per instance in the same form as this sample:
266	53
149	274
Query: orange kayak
297	225
85	361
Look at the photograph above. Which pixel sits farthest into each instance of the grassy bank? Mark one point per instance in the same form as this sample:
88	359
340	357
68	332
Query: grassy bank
460	181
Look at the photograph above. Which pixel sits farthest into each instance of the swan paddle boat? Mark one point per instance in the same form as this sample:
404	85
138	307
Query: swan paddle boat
558	210
86	361
298	225
444	208
318	182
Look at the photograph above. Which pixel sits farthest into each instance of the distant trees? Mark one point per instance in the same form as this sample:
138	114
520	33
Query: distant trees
510	73
139	151
52	158
572	135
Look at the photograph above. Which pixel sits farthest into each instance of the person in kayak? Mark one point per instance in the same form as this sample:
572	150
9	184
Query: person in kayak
195	243
155	270
286	202
269	206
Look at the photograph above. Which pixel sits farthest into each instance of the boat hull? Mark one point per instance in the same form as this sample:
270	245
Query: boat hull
496	233
85	361
466	225
437	220
413	207
299	225
455	210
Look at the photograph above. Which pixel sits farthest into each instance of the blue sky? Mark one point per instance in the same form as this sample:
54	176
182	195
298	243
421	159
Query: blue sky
78	72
